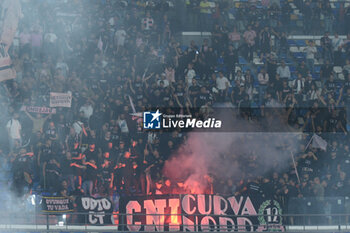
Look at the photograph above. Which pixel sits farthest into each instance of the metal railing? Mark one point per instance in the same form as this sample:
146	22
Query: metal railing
75	221
328	214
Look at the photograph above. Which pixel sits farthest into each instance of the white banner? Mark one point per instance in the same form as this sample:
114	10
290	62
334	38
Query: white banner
42	110
11	12
60	99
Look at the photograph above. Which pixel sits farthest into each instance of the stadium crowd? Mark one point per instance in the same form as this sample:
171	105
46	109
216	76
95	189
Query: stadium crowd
123	57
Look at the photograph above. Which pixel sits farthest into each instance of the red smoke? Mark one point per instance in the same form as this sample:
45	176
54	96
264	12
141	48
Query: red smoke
223	155
187	170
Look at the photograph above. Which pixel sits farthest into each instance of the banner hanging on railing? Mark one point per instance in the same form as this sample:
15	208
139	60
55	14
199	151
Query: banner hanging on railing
99	210
57	204
200	213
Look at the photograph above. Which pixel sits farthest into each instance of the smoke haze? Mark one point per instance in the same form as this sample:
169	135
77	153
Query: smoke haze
224	155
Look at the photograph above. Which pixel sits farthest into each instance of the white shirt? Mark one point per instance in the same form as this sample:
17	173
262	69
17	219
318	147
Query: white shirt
310	52
336	43
123	126
313	95
14	128
165	81
240	79
347	68
87	110
78	127
111	21
120	36
64	67
50	37
298	84
263	79
283	72
221	83
190	75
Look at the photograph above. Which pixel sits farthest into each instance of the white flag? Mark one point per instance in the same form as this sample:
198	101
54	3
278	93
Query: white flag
100	44
11	13
318	142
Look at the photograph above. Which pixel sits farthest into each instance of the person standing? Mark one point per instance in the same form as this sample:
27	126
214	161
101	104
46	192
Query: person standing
90	177
24	39
283	71
328	17
36	43
337	43
265	37
14	128
120	37
235	38
347	20
307	17
231	59
310	55
326	45
263	79
249	37
222	84
205	13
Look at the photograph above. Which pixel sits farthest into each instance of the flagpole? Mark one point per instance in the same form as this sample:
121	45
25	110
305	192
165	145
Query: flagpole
308	144
132	104
104	51
144	74
295	167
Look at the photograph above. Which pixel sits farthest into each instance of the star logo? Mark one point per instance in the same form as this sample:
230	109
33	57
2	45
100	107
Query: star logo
152	120
156	115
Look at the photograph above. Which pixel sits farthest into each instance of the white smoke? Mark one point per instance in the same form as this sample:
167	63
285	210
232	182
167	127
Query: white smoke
223	155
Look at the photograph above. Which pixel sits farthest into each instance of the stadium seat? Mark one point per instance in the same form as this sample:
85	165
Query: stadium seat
244	68
317	69
294	49
257	61
337	69
242	61
291	43
300	42
292	69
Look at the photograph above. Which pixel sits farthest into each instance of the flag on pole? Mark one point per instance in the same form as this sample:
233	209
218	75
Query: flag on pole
318	142
100	44
295	167
11	13
132	104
